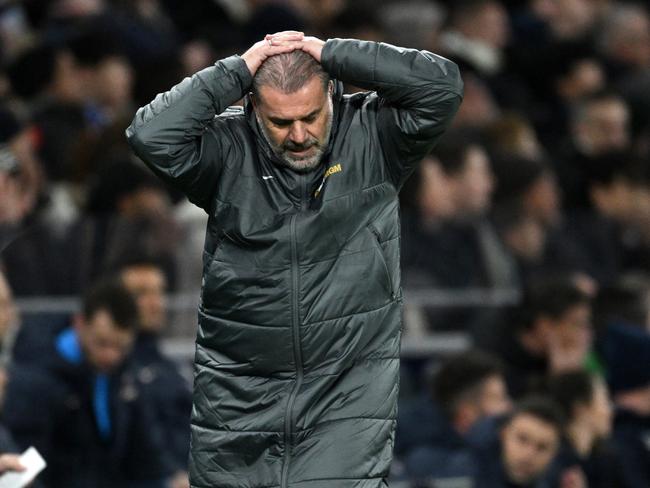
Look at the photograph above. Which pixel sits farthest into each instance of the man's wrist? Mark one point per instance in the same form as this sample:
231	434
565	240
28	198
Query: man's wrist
238	66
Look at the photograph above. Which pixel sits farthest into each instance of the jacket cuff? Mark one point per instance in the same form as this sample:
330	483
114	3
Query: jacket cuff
349	52
237	66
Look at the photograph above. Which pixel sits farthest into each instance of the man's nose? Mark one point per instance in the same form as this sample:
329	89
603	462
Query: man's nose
298	133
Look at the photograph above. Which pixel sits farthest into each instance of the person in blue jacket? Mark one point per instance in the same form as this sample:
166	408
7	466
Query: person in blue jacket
145	278
82	406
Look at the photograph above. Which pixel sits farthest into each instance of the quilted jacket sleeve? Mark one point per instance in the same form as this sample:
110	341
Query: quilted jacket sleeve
171	134
419	94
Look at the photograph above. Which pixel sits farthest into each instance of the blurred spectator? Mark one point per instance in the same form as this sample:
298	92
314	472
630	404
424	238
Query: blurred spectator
8	329
21	180
626	350
268	17
450	193
141	27
49	78
128	212
640	216
413	23
82	406
530	185
585	452
610	230
551	332
448	241
359	20
219	24
479	108
435	433
625	40
625	43
528	218
524	237
196	55
569	19
625	302
8	322
579	74
478	32
524	449
599	124
170	392
106	76
512	135
571	72
319	14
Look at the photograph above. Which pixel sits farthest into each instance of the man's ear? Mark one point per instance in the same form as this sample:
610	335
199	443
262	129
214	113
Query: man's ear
330	87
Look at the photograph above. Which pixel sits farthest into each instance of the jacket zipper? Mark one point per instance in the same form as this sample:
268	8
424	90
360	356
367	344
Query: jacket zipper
289	419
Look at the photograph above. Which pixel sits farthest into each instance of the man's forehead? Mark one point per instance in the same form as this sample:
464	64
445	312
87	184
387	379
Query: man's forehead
307	99
534	426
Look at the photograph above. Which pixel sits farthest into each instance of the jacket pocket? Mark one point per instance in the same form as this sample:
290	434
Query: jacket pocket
388	278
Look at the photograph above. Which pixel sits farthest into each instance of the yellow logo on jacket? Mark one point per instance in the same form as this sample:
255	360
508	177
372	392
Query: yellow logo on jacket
330	171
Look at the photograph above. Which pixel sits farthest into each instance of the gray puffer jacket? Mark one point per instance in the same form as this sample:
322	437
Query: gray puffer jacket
297	352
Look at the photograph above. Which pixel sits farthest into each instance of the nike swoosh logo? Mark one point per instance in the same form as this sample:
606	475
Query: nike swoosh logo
267	177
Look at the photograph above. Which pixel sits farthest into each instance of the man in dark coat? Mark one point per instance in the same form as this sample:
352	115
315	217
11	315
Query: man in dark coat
160	376
625	347
297	358
438	437
83	408
523	448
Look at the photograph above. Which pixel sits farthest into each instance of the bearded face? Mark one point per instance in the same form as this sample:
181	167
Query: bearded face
296	125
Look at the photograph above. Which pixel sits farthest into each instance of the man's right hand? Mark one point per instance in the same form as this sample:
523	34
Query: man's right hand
279	43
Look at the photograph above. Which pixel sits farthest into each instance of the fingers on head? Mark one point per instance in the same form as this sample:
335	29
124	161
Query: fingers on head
285	34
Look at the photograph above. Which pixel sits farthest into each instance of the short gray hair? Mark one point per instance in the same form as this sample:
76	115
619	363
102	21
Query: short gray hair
288	72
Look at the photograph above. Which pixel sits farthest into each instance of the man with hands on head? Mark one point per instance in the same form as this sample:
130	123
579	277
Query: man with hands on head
297	354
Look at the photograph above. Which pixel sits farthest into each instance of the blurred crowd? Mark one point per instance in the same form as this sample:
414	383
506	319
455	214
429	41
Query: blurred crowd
541	187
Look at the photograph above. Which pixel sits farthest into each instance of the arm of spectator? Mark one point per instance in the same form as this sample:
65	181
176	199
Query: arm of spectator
419	94
30	409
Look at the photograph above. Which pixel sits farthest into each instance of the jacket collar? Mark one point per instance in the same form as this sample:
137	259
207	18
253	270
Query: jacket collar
68	347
